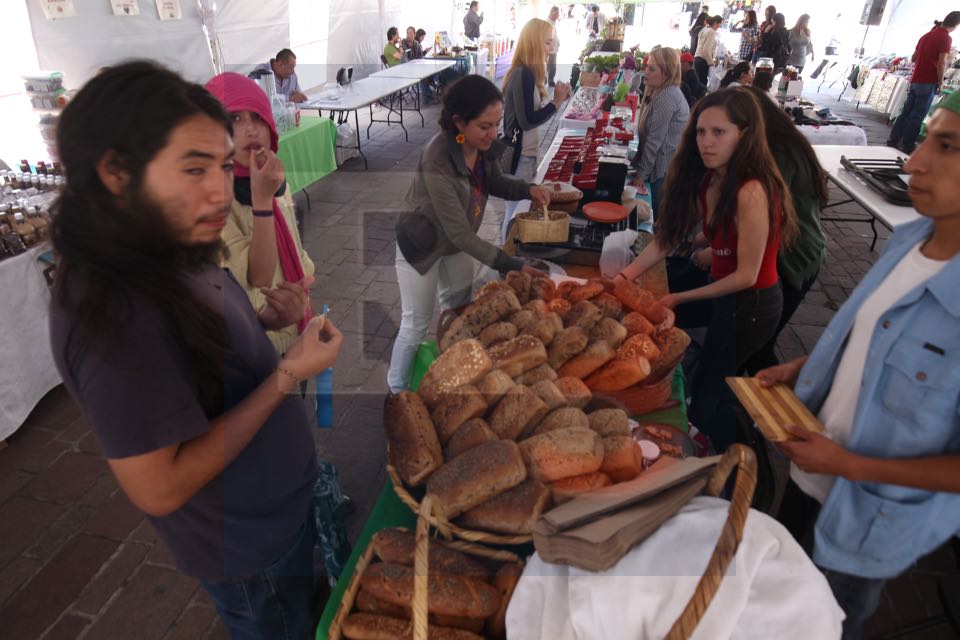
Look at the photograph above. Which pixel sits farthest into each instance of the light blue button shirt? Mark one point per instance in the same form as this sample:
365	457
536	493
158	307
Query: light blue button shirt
909	406
285	86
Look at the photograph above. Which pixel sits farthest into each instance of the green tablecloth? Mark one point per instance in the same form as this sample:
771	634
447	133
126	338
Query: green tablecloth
389	511
307	152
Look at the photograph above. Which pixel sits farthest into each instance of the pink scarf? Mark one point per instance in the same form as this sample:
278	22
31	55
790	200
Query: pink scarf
239	93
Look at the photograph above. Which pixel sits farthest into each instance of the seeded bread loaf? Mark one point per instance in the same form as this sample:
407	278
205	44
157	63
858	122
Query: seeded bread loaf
519	409
475	476
561	453
456	408
464	363
413	447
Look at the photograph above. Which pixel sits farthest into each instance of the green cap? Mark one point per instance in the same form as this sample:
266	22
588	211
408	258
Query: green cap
951	102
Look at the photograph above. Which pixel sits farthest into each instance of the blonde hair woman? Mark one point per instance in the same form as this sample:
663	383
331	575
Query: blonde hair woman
663	115
525	102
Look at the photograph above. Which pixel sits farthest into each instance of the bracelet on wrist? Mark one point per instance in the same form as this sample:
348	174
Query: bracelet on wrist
263	213
288	373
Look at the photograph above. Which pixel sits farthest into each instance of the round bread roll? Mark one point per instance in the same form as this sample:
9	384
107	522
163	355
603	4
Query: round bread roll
561	307
583	314
544	329
597	354
610	422
522	318
561	418
622	458
494	385
543	288
497	333
538	307
609	305
537	374
608	330
637	323
586	291
566	345
520	283
576	393
550	394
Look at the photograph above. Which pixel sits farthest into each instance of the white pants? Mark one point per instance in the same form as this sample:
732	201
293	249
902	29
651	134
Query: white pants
453	275
527	170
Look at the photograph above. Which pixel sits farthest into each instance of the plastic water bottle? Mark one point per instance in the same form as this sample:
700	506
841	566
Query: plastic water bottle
324	383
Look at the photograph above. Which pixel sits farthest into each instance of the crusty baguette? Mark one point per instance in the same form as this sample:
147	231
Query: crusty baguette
610	422
363	625
413	447
597	354
512	512
622	458
519	408
448	594
575	391
475	476
456	408
366	602
464	363
471	434
562	453
518	355
491	308
398	545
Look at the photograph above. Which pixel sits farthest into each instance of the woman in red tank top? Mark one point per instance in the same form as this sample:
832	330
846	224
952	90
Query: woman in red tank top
724	183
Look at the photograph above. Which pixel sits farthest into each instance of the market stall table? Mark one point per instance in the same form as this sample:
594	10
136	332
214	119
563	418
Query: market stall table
363	93
845	135
25	340
307	152
878	208
419	69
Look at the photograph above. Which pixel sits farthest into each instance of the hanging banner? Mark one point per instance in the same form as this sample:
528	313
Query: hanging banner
55	9
169	10
125	7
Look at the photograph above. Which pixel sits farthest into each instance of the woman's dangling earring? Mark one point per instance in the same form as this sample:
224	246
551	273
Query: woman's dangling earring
460	138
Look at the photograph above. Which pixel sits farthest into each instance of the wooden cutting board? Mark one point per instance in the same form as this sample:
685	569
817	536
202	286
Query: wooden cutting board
773	407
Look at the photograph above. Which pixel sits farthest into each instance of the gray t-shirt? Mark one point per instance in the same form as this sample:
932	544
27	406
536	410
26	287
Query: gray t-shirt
137	399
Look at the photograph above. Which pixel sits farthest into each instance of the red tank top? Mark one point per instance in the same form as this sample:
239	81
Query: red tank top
724	247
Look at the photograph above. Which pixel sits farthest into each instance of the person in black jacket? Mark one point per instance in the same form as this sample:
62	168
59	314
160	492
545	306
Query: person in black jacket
698	26
775	44
693	90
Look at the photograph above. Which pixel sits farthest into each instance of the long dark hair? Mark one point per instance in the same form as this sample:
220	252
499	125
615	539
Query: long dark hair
118	250
735	73
467	98
752	22
680	210
781	132
951	20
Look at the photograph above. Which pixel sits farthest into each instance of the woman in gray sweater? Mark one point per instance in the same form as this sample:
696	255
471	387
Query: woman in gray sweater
437	240
660	121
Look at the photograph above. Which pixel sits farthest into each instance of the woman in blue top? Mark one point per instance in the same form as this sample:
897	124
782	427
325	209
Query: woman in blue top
880	488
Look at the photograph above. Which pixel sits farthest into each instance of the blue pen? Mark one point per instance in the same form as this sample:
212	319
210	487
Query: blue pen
324	382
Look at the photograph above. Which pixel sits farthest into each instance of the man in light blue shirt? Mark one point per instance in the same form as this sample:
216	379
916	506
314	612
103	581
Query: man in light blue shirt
283	66
881	487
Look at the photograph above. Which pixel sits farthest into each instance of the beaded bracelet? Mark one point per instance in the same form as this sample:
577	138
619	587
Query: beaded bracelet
263	213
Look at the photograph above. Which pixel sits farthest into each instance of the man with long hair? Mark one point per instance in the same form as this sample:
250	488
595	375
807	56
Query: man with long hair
198	418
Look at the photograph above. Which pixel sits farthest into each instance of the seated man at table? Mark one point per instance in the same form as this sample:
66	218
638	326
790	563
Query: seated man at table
412	46
693	90
283	66
392	53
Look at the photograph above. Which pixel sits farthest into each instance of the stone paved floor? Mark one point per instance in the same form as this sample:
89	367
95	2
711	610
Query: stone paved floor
78	561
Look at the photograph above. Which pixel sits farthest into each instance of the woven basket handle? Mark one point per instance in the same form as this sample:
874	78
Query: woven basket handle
447	316
421	569
743	459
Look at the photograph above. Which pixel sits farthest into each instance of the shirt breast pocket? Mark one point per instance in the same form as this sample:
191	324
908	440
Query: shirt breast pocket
921	381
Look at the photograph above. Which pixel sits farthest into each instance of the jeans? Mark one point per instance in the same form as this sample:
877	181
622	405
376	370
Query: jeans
527	170
551	68
792	297
907	126
278	602
740	324
702	69
857	596
418	293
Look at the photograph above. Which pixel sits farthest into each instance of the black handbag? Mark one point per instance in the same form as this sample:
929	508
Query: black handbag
510	159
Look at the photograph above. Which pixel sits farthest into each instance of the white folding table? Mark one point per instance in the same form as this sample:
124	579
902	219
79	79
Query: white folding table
879	209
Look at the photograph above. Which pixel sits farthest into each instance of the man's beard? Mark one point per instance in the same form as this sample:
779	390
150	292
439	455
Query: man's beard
183	257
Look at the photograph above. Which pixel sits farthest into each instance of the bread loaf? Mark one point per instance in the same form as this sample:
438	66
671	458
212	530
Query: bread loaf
448	594
540	373
584	314
637	323
398	545
639	346
520	283
610	422
549	394
518	409
561	307
464	363
561	418
567	287
607	283
475	476
512	512
609	305
555	319
618	374
522	318
456	408
566	345
568	488
471	434
363	625
562	453
497	333
543	329
656	313
518	355
466	625
543	288
366	602
632	296
413	447
622	458
506	582
585	292
575	391
478	314
490	287
494	385
672	343
538	307
597	354
609	330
